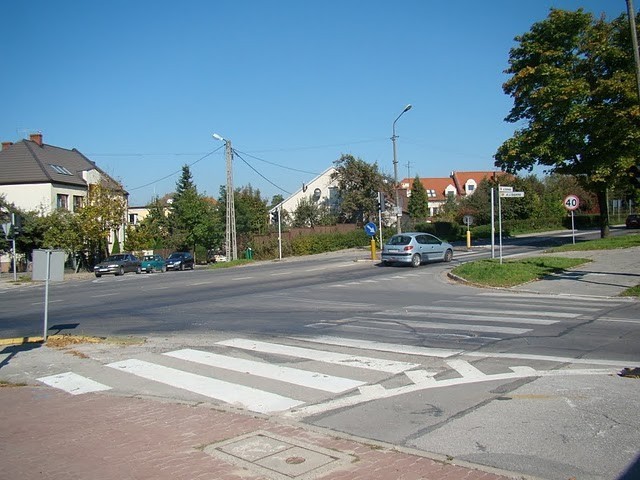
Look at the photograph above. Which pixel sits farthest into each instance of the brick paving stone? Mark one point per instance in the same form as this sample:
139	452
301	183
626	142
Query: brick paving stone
51	435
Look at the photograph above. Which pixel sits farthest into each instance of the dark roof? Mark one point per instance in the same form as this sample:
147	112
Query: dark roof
27	162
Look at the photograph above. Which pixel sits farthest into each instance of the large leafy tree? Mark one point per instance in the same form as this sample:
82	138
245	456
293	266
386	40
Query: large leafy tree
573	87
418	205
358	185
102	213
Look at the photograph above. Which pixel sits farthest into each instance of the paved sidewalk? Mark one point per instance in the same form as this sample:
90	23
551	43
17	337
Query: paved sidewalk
49	434
609	273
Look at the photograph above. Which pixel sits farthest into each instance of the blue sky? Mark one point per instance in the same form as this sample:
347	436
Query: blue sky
139	87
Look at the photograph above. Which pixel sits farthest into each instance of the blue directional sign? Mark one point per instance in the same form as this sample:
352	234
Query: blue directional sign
370	229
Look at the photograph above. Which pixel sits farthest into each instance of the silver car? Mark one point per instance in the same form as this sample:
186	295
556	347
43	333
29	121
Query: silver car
415	248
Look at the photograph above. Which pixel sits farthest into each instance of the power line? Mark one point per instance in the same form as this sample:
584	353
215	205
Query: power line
277	164
176	172
263	177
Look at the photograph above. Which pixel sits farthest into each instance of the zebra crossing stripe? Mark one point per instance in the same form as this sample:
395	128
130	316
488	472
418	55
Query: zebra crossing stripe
382	347
73	383
238	395
465	369
479	318
368	363
465	327
504	311
304	378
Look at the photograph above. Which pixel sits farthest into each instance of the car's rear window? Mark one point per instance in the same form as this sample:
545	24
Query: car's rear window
400	240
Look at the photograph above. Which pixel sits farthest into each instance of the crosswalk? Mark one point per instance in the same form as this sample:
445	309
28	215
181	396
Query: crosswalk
346	363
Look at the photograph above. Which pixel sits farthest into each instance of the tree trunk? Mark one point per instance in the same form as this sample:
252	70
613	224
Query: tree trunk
604	212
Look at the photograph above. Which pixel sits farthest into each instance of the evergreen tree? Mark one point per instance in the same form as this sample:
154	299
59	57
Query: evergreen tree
418	206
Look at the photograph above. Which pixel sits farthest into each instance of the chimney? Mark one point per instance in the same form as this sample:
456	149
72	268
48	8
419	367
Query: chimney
6	145
36	137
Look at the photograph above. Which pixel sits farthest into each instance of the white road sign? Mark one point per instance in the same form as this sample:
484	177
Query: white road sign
505	189
512	194
571	202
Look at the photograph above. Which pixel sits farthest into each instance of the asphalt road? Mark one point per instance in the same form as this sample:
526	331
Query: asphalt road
518	381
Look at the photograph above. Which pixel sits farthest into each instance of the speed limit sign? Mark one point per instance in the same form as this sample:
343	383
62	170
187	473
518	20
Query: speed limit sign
571	202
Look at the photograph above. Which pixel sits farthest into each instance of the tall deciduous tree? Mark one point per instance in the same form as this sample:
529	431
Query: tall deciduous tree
102	213
573	86
358	185
418	206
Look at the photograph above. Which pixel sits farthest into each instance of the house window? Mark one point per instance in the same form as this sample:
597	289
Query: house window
431	193
62	201
470	188
78	201
133	218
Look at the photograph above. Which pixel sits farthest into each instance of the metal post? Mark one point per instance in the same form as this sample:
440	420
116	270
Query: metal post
46	297
493	225
13	248
395	169
500	222
279	207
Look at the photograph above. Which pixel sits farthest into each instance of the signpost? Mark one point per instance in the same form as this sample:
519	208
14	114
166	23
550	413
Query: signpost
468	221
48	265
370	229
504	192
571	203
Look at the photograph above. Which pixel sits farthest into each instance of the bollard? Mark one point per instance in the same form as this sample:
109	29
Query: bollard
373	249
468	239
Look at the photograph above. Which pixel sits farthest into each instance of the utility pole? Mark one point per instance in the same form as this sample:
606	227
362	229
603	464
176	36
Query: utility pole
634	41
230	238
395	171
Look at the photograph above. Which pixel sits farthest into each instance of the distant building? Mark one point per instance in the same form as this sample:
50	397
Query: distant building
457	185
35	176
322	190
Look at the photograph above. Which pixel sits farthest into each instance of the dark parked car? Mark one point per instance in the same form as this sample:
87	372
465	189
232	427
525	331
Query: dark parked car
180	261
153	263
633	221
118	264
415	248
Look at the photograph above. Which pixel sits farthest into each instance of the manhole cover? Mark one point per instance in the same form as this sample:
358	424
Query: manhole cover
278	457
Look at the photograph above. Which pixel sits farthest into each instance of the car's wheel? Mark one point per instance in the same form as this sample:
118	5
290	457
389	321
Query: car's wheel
120	271
181	266
163	269
416	260
138	270
98	275
448	256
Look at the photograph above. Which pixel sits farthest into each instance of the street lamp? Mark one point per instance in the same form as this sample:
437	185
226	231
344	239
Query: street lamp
231	246
395	169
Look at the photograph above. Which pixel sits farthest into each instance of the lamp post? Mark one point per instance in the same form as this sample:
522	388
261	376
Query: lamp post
231	247
395	169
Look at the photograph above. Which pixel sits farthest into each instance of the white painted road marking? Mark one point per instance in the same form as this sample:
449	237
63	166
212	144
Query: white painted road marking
465	369
73	383
517	313
465	327
368	363
304	378
238	395
382	347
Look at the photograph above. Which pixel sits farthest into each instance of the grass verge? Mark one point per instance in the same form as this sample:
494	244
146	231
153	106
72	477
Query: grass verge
609	243
232	263
491	273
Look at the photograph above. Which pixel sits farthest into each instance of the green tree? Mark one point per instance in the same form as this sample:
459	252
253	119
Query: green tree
102	214
418	206
573	86
190	218
358	186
